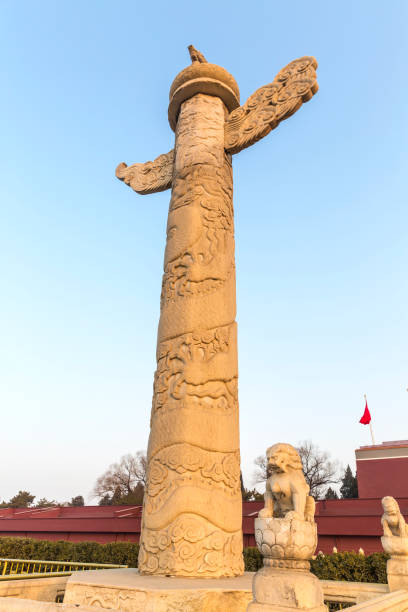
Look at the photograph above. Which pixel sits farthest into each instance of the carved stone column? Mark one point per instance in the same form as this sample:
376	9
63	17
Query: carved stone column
192	515
192	512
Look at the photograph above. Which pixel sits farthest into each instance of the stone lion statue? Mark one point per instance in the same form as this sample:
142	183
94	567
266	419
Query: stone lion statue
392	520
287	492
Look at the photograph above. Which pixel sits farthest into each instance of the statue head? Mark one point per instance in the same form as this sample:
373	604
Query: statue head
283	458
390	505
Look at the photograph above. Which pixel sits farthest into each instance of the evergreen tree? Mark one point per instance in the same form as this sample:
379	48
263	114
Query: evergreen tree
116	497
23	499
349	487
106	500
248	494
134	498
331	494
77	501
45	503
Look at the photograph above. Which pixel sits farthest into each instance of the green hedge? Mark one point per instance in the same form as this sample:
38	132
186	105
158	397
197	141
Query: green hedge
118	553
252	559
348	566
351	566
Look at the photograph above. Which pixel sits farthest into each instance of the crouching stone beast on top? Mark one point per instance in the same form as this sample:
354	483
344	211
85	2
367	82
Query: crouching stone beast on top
287	492
392	521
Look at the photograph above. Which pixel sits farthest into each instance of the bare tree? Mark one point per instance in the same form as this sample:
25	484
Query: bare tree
122	478
319	470
261	472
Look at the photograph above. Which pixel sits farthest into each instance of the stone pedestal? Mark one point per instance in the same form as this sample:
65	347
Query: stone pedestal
285	581
277	590
126	590
397	566
397	573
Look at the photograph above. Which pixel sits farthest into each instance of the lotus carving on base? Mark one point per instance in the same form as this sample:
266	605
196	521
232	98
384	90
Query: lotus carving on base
280	538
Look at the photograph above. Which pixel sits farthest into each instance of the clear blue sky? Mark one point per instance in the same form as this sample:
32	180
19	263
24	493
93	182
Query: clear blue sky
321	228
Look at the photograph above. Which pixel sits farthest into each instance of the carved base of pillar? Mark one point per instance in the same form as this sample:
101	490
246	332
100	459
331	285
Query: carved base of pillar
126	590
280	590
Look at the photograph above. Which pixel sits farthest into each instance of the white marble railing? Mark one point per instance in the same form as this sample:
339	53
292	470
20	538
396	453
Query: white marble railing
397	601
340	591
366	596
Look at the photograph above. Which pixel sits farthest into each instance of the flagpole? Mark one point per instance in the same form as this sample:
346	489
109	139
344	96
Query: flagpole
371	427
372	435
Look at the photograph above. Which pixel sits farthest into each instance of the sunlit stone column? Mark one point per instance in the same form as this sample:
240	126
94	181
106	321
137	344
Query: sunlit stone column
193	507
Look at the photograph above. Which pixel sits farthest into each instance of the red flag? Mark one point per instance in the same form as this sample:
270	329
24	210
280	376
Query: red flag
366	418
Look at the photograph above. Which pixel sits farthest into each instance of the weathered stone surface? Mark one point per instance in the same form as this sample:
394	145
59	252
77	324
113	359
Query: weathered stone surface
342	591
395	543
42	589
286	536
392	602
129	591
11	604
397	573
191	522
192	507
201	78
395	546
392	521
282	589
284	540
271	104
287	493
150	177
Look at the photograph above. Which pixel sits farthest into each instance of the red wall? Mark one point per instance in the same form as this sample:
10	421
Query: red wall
347	524
380	477
76	524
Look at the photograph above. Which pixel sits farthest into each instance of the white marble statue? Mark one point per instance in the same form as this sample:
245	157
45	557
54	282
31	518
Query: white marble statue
392	521
395	543
286	536
287	492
